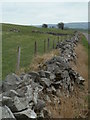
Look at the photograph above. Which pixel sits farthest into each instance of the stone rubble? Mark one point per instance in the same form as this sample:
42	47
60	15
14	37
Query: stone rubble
25	96
14	30
51	33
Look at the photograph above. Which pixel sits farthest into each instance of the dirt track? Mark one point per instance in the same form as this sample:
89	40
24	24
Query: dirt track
75	105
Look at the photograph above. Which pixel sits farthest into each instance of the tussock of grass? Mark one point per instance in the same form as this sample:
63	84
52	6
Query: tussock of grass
39	60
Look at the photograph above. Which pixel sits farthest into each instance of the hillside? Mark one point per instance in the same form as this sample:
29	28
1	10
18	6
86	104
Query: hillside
73	25
17	35
81	25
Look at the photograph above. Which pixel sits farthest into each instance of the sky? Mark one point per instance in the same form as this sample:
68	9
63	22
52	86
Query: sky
36	13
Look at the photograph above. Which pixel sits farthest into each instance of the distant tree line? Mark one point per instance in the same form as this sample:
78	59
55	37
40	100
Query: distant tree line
44	25
59	25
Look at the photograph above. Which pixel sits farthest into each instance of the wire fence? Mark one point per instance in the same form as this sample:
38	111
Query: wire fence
47	45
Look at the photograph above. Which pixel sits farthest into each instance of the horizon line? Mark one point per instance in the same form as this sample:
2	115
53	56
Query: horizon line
41	24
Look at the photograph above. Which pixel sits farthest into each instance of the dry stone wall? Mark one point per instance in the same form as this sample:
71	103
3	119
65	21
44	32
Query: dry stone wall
25	96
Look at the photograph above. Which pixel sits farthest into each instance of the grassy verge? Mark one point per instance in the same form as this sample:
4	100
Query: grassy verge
84	42
87	47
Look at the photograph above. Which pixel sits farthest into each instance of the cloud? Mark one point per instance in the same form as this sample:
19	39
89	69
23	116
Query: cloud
44	0
38	13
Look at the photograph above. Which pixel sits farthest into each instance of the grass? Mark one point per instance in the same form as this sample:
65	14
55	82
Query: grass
87	47
25	39
85	43
39	60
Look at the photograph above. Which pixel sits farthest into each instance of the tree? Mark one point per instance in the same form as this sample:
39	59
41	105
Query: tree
61	25
44	25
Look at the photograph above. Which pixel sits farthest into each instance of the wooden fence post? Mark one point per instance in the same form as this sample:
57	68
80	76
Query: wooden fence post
48	43
35	48
44	46
18	58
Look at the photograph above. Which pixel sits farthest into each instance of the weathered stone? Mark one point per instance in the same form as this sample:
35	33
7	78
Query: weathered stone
21	90
47	98
53	60
11	93
34	74
14	30
58	75
64	74
53	68
45	82
34	85
29	93
50	68
22	76
41	115
26	114
1	99
50	75
49	90
53	90
80	80
19	106
11	82
35	96
58	93
42	73
0	112
7	100
15	104
0	86
14	93
57	84
27	78
47	73
40	105
6	113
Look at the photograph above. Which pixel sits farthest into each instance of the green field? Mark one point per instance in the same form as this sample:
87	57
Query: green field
25	39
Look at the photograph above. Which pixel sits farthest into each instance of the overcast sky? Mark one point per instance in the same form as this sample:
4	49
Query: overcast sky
38	13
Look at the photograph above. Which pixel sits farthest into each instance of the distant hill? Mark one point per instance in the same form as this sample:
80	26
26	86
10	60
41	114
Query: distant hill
78	25
81	25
